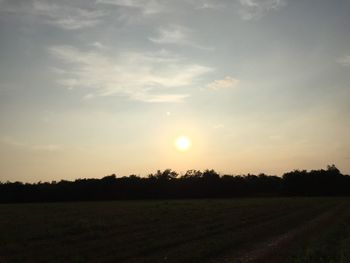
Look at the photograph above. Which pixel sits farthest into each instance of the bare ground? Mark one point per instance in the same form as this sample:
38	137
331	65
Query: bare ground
281	248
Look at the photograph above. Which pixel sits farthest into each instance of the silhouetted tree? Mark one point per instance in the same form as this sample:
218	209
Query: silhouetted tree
192	174
193	184
166	175
210	175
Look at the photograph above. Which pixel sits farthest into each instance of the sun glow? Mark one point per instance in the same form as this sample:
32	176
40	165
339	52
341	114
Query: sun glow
183	143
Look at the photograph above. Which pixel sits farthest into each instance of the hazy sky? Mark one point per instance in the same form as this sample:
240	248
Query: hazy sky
90	88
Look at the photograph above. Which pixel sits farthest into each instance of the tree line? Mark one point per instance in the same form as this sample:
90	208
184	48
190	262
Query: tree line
169	184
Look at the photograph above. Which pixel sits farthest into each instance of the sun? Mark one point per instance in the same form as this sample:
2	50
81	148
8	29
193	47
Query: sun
182	143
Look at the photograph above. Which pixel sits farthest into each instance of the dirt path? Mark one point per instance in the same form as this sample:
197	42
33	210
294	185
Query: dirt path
278	249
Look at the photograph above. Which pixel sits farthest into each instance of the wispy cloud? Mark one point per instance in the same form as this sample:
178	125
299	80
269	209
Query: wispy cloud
345	61
147	7
68	17
60	14
98	45
255	9
172	35
225	83
206	4
146	77
73	15
160	98
175	34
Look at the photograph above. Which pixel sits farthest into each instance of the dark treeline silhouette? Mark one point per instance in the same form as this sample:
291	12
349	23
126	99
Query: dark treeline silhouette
193	184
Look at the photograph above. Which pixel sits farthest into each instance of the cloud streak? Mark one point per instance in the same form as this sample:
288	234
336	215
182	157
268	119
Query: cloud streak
345	61
148	77
171	35
147	7
256	9
73	15
63	15
177	35
225	83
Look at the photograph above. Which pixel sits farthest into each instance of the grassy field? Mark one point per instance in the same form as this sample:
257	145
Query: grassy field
232	230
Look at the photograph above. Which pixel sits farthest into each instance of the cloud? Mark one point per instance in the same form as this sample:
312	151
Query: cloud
171	35
67	16
98	45
255	9
160	98
73	15
225	83
177	35
147	7
148	77
345	61
206	4
63	15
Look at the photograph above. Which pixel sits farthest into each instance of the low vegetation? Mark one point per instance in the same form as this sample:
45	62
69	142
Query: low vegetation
215	230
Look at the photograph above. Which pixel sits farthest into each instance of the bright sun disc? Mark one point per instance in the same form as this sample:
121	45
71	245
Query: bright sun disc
183	143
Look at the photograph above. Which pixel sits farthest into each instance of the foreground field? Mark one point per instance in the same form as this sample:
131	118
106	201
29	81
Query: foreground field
232	230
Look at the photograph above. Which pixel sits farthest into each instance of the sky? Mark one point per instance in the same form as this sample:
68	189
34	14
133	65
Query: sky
91	88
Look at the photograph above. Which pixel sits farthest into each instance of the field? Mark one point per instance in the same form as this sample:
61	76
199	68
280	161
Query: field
225	230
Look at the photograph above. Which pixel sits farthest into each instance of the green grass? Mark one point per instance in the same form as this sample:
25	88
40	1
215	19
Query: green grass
158	231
